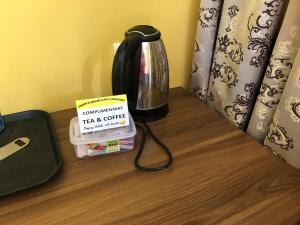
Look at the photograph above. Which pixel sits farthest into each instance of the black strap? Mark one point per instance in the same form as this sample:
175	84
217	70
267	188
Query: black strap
146	131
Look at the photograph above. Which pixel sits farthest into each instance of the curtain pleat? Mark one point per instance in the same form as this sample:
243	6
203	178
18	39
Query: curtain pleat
277	73
207	27
246	35
283	137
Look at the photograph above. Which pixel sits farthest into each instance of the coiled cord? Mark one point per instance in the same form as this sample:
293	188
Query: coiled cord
146	131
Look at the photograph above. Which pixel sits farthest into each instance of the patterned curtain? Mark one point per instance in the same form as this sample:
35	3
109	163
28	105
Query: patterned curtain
246	67
283	137
207	27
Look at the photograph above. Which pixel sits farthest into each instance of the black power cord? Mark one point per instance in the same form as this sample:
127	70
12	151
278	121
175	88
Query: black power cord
146	131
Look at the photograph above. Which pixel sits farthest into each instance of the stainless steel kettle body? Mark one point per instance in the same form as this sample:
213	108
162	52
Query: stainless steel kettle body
153	76
140	70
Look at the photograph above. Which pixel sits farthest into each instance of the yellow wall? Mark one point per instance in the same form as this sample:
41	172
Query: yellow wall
55	51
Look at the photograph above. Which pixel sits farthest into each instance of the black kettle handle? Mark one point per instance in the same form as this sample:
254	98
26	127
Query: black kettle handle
126	69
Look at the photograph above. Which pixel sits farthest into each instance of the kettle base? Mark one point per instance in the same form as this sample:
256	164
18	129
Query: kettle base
151	114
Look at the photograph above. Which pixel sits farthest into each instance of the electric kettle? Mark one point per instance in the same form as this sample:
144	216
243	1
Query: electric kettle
140	70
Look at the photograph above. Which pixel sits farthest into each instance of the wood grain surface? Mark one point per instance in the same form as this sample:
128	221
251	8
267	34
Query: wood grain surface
219	176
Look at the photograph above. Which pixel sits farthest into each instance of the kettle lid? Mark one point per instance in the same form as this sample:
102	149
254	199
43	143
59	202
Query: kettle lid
145	32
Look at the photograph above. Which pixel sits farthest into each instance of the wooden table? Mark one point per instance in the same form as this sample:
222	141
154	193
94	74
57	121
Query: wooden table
220	175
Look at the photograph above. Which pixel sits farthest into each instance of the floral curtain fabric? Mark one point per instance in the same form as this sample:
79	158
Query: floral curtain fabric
245	67
283	137
207	27
277	73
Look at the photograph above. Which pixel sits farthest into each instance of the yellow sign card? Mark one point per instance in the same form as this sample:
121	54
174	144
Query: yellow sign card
102	113
100	102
